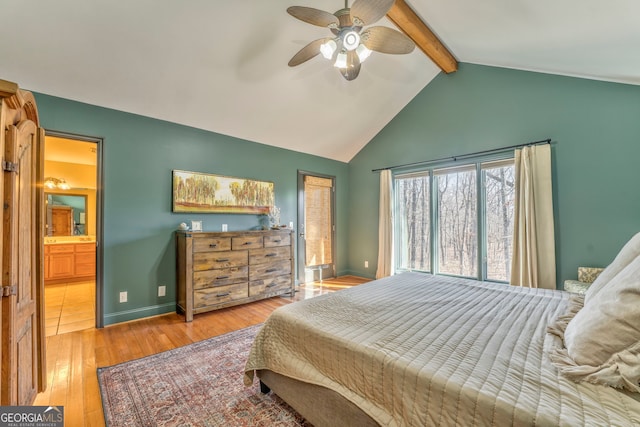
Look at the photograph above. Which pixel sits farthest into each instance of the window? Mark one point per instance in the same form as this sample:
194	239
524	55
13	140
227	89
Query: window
499	188
414	222
456	221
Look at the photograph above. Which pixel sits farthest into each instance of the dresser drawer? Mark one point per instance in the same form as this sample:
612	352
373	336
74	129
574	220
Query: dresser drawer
219	295
278	253
273	284
265	271
280	239
220	277
212	260
211	244
246	242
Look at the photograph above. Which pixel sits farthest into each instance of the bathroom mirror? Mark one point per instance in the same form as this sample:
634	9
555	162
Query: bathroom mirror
66	214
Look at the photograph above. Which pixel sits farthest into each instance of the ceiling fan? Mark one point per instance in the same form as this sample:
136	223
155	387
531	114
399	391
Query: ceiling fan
350	44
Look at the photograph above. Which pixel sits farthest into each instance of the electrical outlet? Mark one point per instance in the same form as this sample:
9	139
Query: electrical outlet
291	225
366	264
162	290
123	296
224	227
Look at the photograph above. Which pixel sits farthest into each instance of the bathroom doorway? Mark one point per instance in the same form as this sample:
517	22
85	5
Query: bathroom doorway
72	233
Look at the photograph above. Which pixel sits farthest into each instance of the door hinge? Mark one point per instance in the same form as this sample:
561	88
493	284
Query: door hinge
9	166
9	290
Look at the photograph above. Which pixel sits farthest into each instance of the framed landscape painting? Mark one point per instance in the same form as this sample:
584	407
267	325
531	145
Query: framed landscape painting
207	193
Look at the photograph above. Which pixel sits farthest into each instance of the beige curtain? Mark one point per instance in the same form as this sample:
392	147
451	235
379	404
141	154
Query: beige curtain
385	226
534	258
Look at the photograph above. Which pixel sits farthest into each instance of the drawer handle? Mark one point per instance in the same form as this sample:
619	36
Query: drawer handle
222	277
222	259
247	243
271	285
270	255
277	241
213	245
223	294
271	270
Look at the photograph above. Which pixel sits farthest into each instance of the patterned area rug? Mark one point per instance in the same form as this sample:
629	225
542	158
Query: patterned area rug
196	385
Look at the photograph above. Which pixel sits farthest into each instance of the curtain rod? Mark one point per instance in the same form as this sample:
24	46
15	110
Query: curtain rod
454	158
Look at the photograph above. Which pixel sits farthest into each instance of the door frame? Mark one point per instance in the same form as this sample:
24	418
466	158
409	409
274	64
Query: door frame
300	235
99	141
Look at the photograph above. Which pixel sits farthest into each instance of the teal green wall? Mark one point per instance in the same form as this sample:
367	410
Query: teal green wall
139	155
594	126
595	131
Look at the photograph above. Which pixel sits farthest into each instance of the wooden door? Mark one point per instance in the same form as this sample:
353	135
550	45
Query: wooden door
20	317
316	227
61	221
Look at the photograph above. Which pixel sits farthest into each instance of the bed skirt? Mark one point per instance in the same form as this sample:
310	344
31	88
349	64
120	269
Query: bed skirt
318	405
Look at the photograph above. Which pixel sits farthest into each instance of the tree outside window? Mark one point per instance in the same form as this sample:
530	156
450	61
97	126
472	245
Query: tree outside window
452	196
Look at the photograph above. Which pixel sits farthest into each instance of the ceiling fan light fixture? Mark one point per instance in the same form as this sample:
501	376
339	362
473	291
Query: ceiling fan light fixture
328	48
350	44
351	40
362	52
341	60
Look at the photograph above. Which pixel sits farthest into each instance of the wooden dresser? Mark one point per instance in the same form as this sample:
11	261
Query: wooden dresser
217	270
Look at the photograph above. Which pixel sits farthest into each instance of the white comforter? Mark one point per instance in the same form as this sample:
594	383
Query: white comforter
422	350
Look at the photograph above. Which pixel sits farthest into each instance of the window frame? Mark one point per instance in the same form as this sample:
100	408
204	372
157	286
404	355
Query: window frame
396	219
476	163
484	259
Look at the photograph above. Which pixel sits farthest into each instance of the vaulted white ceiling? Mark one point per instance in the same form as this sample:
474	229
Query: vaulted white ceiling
222	65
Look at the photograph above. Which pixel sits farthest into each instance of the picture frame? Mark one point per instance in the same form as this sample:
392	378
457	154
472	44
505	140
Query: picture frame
196	225
198	192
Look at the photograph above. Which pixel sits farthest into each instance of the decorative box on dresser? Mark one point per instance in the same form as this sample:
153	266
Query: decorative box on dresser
222	269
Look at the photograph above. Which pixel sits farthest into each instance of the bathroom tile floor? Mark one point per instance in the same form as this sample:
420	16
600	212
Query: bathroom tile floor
69	307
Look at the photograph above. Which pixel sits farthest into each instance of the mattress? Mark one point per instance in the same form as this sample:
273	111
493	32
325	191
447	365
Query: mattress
416	349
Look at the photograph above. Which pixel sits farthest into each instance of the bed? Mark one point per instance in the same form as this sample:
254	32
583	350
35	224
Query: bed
419	350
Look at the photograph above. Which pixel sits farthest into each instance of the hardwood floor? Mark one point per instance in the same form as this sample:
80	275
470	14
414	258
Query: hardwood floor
72	358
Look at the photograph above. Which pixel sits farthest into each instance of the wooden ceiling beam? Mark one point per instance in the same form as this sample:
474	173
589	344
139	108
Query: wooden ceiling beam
407	20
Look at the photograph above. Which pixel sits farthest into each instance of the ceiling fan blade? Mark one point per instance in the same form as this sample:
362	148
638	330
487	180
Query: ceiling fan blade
307	52
369	11
353	66
387	40
312	16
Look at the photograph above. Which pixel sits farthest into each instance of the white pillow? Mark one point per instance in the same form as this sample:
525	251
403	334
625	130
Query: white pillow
628	253
602	341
